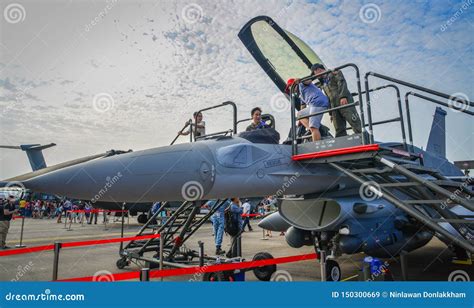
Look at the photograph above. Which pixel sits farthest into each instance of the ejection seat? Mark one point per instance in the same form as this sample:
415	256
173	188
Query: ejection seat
267	135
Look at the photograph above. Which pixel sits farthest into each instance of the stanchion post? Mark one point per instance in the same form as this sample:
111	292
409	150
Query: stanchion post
105	220
201	253
145	274
404	265
123	222
162	246
21	233
366	271
57	248
239	245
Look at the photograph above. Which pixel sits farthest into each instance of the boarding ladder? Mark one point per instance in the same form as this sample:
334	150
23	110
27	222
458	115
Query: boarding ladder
174	231
394	171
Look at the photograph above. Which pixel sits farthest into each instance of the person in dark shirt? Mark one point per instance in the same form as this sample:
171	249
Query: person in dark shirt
257	122
7	209
335	86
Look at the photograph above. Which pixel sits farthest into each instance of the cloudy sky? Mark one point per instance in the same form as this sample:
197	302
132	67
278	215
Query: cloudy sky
98	75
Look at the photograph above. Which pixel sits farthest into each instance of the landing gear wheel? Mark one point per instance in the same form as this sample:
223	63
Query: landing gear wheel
142	219
121	263
333	271
215	276
264	273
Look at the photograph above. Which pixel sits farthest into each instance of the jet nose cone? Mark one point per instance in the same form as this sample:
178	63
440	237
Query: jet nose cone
178	172
274	222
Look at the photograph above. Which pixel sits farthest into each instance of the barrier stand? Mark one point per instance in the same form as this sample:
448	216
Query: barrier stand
201	253
185	270
239	245
128	218
83	214
145	274
57	248
123	222
366	271
105	220
162	247
404	263
21	233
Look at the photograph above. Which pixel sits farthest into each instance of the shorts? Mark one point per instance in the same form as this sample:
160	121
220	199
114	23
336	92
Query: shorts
315	121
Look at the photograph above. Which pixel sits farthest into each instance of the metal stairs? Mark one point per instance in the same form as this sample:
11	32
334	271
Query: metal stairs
174	231
421	192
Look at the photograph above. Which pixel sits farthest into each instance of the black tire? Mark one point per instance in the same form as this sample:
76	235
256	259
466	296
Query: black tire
333	271
121	263
142	218
214	277
264	273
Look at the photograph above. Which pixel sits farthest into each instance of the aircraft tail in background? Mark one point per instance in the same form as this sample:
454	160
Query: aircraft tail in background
34	153
437	139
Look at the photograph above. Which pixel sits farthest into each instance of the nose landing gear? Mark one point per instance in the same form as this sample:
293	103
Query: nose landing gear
330	269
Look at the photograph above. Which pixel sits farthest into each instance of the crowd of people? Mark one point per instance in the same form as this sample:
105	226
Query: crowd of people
234	216
57	209
73	212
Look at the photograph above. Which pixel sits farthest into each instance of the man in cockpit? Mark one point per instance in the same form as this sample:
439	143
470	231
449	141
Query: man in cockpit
257	122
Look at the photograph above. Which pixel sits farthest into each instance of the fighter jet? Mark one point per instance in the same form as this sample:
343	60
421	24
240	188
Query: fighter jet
35	156
343	195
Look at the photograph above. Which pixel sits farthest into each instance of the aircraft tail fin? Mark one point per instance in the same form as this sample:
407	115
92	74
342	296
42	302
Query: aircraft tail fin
34	153
437	139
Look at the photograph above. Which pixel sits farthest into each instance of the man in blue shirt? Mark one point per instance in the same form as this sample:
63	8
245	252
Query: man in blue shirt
316	101
236	210
218	221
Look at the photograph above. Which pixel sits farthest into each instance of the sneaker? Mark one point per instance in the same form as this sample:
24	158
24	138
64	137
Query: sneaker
219	252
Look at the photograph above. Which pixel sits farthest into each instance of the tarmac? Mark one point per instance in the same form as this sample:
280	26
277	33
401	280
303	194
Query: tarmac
429	263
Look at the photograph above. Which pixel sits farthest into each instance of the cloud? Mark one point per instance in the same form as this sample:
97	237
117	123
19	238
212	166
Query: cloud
158	67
